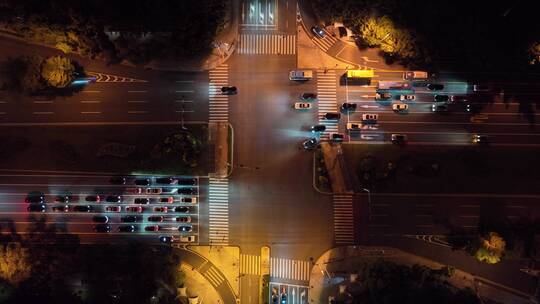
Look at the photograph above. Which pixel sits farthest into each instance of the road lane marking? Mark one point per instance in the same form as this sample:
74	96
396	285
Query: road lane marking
185	111
137	91
43	101
97	123
90	101
91	112
42	113
137	112
137	101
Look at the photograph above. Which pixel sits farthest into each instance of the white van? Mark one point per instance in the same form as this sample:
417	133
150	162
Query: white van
301	75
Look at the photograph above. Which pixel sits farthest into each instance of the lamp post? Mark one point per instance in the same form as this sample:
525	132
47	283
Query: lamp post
369	201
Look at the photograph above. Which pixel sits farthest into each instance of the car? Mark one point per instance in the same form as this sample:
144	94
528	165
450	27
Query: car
102	228
166	181
113	209
137	209
36	208
114	199
154	190
383	96
435	86
182	209
348	106
400	107
62	199
35	199
127	228
151	228
310	144
473	108
370	118
117	180
302	106
184	219
188	200
187	191
353	126
481	88
130	219
458	98
332	116
184	228
60	208
319	33
480	139
337	137
308	96
141	201
176	239
162	209
135	190
407	97
229	90
439	107
187	181
93	198
155	218
142	182
398	139
100	219
82	208
168	199
441	98
318	128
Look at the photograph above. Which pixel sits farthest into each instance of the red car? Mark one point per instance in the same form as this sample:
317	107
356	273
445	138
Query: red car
93	198
163	209
151	228
155	218
168	200
113	209
138	209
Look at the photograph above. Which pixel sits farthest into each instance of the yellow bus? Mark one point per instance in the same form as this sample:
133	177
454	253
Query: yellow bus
358	74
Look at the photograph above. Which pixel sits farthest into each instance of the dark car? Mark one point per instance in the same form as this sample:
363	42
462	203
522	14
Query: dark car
229	90
127	228
117	180
441	98
187	181
480	139
188	191
100	219
82	208
142	201
348	106
318	32
36	208
155	219
439	107
458	98
182	209
310	144
308	96
473	108
332	116
166	181
114	199
62	199
435	86
130	219
60	208
102	228
318	128
151	228
93	198
142	182
399	139
35	199
184	228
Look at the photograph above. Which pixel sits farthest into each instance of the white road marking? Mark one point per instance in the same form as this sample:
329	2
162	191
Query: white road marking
43	101
185	91
91	91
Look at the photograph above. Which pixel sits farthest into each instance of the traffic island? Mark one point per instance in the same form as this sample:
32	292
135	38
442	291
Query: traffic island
221	139
335	166
321	179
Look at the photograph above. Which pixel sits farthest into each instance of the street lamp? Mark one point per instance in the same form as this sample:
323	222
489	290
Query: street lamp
369	201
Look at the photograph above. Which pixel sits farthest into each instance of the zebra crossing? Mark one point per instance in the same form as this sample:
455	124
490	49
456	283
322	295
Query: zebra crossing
219	103
326	94
290	269
325	43
100	77
273	44
213	276
250	264
343	219
218	214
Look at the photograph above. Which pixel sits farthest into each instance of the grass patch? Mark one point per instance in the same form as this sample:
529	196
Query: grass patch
445	169
149	149
322	179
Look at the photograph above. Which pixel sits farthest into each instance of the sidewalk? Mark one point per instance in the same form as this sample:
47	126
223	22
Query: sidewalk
335	266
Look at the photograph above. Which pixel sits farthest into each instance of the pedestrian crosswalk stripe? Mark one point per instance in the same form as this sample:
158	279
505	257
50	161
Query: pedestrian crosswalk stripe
290	269
343	219
326	95
250	264
100	77
274	44
213	276
218	211
219	104
325	43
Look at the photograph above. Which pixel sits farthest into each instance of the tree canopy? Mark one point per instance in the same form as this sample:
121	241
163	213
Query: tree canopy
15	265
58	71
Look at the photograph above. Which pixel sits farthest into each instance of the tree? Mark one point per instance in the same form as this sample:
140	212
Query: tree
491	248
15	264
534	53
31	80
21	74
58	71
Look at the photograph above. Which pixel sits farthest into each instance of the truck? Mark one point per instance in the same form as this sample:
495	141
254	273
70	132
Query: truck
393	85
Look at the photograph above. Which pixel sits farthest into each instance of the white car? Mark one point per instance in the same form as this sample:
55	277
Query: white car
407	97
399	107
352	126
187	238
302	105
336	136
370	117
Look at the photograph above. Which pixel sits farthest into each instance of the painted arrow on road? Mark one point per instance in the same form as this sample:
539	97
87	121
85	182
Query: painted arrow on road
439	240
368	96
366	59
367	106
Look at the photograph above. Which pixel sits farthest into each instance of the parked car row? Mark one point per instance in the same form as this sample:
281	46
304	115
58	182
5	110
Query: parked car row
104	228
183	181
